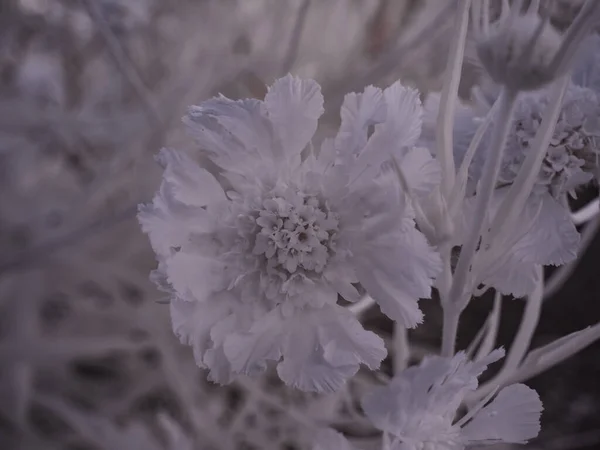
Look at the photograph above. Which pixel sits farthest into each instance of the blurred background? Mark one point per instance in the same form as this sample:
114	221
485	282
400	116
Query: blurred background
90	90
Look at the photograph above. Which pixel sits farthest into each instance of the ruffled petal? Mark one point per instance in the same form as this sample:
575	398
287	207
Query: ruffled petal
359	112
407	258
195	276
512	417
513	277
420	403
321	347
552	239
192	323
400	131
397	269
421	171
325	347
345	341
391	298
294	106
191	184
169	222
236	135
248	352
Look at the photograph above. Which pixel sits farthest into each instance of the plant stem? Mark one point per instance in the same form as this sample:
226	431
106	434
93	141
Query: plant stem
487	183
457	298
445	122
450	330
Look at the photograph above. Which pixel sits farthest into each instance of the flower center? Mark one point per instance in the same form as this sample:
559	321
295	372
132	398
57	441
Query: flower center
296	235
572	158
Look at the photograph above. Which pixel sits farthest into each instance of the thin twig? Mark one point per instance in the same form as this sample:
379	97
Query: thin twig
122	60
39	252
449	96
292	53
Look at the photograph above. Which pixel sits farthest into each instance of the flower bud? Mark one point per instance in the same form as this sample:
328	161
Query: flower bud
517	50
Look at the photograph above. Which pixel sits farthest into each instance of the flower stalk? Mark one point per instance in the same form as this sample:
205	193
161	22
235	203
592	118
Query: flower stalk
458	297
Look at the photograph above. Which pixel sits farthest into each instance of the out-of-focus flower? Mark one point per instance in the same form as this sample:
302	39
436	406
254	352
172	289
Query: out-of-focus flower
418	408
518	48
256	253
546	234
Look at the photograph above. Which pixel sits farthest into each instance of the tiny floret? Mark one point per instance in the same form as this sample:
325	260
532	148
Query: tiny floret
256	252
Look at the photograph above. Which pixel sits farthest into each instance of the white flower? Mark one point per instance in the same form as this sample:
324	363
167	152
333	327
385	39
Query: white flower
417	410
257	254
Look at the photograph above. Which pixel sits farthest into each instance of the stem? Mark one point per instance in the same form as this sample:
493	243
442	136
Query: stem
579	29
493	322
483	199
450	330
401	349
458	192
540	360
361	306
519	192
529	323
445	122
588	212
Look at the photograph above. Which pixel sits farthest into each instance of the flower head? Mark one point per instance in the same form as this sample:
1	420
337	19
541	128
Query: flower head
573	154
546	234
257	253
517	49
418	408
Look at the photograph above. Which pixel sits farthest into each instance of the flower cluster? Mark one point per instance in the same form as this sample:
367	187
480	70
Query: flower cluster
256	252
418	409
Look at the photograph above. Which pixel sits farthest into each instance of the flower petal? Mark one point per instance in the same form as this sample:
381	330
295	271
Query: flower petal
249	351
346	342
400	130
553	238
193	321
191	184
512	277
421	171
392	300
168	222
325	347
420	403
236	135
294	107
512	417
195	276
359	112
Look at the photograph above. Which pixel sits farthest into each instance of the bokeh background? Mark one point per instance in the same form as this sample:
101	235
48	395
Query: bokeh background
90	90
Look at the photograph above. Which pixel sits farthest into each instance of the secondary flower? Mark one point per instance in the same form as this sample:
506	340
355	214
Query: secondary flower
418	408
517	50
546	234
256	252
